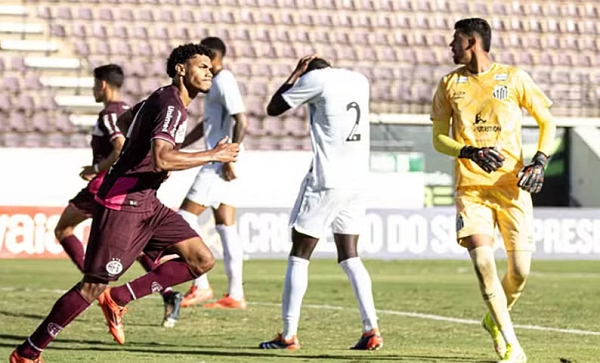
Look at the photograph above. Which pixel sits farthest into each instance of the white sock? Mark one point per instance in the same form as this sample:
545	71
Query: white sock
361	284
508	332
192	219
202	282
233	259
294	288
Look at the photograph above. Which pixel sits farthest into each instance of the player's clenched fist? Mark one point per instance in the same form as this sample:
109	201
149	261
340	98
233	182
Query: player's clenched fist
488	158
226	152
531	177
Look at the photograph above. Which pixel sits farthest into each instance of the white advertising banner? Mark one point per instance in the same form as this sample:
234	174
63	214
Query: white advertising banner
27	232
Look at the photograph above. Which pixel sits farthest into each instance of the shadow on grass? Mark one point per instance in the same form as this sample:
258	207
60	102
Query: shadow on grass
248	352
27	315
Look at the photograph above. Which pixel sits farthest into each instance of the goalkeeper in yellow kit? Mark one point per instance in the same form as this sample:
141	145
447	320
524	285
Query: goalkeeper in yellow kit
481	101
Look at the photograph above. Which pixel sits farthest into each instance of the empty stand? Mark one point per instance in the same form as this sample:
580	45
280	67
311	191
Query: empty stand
49	48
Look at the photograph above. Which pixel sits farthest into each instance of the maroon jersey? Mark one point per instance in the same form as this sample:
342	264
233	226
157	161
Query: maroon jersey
104	132
132	182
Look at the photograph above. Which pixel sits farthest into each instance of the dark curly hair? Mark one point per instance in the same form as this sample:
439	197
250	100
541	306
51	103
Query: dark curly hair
184	52
476	25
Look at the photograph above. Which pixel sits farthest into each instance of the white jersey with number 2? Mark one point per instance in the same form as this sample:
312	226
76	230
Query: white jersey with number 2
338	103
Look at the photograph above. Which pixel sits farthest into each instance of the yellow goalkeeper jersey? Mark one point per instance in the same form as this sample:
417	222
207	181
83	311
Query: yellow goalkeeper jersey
485	111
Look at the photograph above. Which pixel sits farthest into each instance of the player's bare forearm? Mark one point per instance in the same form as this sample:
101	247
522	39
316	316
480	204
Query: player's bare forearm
194	135
277	105
172	160
241	125
166	158
107	162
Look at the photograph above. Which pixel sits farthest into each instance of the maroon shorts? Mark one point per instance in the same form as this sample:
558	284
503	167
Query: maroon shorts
117	238
84	202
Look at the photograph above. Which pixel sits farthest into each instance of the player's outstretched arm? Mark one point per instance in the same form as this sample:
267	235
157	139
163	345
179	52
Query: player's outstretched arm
194	135
278	105
166	158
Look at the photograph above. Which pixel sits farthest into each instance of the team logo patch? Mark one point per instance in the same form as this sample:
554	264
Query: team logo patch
114	267
53	329
155	287
500	92
459	223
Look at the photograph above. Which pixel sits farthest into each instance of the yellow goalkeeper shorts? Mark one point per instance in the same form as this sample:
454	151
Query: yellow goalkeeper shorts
481	209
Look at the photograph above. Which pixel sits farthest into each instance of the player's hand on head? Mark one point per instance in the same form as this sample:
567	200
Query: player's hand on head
488	158
531	177
303	64
226	152
87	173
228	171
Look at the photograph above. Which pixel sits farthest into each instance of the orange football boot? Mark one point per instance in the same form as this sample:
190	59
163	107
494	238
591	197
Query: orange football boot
227	302
113	314
280	343
371	340
196	295
16	358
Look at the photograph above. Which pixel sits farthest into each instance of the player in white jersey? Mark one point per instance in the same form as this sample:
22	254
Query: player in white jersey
331	195
215	184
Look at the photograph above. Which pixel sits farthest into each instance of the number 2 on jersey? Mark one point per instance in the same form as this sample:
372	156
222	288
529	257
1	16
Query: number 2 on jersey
353	135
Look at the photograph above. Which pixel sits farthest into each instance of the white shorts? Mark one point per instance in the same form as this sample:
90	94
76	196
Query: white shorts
317	210
211	190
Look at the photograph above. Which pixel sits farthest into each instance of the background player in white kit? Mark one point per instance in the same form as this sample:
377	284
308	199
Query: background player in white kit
214	187
332	192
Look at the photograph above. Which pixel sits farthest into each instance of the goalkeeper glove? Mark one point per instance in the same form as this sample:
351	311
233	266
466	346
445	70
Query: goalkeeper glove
531	177
488	159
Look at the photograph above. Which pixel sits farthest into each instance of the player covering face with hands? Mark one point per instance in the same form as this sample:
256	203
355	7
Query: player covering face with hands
481	102
332	194
130	219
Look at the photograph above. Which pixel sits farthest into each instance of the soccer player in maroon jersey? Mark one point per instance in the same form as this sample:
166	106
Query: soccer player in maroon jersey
107	141
130	219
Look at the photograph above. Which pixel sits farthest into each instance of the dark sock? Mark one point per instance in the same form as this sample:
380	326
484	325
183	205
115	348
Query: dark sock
170	273
65	310
147	263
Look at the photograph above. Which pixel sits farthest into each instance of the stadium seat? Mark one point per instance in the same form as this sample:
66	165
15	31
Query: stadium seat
390	41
